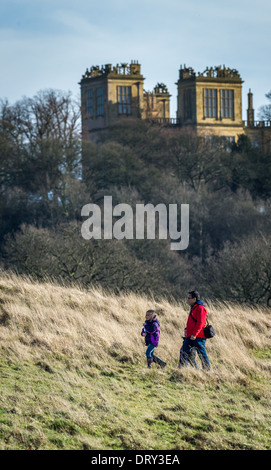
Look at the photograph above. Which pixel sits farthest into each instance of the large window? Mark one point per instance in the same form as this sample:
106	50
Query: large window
89	102
124	100
99	102
210	103
227	101
187	101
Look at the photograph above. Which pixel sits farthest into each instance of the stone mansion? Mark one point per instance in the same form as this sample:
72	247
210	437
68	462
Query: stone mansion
209	103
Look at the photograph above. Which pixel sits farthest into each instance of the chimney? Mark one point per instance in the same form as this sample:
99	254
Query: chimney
250	110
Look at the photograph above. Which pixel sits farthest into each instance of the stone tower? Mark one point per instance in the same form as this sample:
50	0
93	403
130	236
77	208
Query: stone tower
109	94
157	103
211	101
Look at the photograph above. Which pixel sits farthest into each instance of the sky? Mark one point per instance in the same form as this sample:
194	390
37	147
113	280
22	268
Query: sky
50	43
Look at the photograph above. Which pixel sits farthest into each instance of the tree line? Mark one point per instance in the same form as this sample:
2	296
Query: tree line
48	173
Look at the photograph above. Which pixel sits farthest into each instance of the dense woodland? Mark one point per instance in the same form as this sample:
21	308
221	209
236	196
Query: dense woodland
48	173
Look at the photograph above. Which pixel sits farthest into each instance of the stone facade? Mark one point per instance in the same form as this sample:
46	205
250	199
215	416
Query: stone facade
259	132
156	103
209	103
109	94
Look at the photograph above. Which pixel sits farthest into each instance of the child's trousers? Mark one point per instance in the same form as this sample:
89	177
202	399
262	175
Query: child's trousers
149	355
152	358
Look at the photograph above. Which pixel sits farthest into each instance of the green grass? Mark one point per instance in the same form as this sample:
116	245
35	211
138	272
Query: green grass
262	353
73	374
125	406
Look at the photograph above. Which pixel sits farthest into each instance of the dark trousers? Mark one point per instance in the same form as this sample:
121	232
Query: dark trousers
188	353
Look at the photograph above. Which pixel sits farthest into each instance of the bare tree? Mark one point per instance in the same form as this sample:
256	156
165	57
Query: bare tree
42	135
265	110
242	271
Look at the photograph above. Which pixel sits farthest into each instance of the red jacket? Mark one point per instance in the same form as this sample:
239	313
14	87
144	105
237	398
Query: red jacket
193	327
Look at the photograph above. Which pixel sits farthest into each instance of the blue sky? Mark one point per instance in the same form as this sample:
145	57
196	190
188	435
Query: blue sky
50	43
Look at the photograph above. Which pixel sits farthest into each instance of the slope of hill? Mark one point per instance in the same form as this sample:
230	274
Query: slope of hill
73	373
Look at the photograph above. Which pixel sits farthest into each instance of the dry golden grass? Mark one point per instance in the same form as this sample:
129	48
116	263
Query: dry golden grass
73	373
38	319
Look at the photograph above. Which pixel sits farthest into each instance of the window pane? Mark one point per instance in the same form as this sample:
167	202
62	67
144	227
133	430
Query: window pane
210	102
99	102
89	102
124	99
227	103
187	104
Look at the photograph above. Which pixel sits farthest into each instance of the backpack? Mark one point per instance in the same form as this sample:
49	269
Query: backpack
208	330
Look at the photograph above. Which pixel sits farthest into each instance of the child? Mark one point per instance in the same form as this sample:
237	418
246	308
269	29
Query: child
151	332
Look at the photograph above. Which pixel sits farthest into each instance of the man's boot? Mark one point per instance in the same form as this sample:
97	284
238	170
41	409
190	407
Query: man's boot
158	361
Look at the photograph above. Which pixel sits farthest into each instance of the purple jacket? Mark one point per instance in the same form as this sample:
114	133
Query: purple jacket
152	330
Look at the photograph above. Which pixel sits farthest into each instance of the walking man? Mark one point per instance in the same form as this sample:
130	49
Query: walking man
194	340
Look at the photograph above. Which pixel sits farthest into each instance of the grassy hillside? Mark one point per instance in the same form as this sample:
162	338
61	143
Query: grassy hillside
73	373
